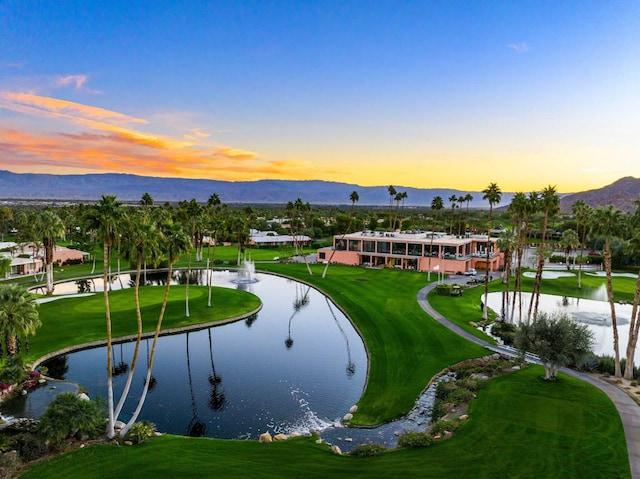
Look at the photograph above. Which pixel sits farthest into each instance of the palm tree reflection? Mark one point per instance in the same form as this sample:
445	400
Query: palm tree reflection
196	427
300	301
351	367
217	398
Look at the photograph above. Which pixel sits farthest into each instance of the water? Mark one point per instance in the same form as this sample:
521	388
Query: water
596	314
297	366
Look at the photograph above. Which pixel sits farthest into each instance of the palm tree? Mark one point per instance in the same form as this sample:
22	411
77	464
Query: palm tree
493	195
212	207
468	198
569	241
354	197
49	227
461	200
191	214
634	324
608	223
392	193
104	218
453	199
18	315
174	242
518	210
550	205
582	213
142	245
436	205
507	243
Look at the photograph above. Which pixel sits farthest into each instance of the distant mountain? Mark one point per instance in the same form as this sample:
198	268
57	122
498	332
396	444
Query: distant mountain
131	188
621	194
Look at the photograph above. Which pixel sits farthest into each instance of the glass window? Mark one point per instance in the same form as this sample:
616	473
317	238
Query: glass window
354	245
415	249
341	245
399	248
369	246
384	247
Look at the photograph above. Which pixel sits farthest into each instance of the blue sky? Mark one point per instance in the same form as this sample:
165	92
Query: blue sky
424	94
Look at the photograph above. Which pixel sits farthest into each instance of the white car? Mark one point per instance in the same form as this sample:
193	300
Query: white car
470	272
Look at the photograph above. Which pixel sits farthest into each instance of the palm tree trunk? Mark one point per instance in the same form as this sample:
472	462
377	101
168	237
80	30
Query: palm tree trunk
134	361
612	306
107	310
634	328
156	334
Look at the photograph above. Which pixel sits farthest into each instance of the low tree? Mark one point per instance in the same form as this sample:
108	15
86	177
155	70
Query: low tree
18	315
69	415
557	339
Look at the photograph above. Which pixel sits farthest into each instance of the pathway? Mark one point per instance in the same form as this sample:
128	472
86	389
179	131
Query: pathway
627	408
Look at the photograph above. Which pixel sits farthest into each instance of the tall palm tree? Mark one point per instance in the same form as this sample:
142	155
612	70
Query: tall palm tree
550	205
517	208
392	194
49	227
354	197
461	200
493	194
507	243
174	242
104	218
453	199
608	223
468	198
190	213
213	204
142	245
18	315
436	205
582	212
634	324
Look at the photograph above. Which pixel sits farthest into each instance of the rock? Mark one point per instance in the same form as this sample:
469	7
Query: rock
436	437
42	381
128	443
265	437
319	441
516	368
464	417
295	434
347	417
84	397
119	425
336	450
157	434
348	439
353	409
448	434
280	437
473	324
81	446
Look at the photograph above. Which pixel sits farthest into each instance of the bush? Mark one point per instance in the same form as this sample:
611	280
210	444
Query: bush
505	331
69	416
414	439
140	431
29	446
439	427
9	465
368	450
444	289
12	371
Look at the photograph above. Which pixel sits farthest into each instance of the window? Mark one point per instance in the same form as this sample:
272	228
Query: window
384	247
369	246
415	249
354	245
399	248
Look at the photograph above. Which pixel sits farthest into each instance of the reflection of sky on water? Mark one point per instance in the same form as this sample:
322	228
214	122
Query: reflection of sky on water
596	314
299	365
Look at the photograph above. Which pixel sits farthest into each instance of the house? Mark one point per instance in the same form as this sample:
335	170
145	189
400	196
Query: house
25	261
271	239
417	250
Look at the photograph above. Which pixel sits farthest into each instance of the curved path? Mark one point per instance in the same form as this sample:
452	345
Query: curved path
627	408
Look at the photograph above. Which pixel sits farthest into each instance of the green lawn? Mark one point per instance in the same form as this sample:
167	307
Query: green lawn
69	321
520	426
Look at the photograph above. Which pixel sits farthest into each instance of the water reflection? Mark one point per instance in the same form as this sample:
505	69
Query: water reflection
267	386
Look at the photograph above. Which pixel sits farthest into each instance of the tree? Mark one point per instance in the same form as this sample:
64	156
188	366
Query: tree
468	198
105	218
191	214
519	208
436	205
634	324
212	208
507	243
557	339
392	193
49	227
68	415
354	197
453	199
5	266
569	242
550	205
493	195
6	217
18	315
608	223
582	212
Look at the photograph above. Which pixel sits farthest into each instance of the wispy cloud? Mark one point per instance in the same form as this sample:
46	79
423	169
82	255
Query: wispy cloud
519	47
77	81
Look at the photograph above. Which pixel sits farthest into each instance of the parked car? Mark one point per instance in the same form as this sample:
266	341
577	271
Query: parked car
470	272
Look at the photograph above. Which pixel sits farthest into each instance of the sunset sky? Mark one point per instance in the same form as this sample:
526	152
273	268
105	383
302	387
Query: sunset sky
424	94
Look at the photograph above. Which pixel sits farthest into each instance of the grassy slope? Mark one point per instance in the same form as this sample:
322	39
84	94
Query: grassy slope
68	321
520	426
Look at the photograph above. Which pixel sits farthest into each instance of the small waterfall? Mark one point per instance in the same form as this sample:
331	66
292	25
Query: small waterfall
600	294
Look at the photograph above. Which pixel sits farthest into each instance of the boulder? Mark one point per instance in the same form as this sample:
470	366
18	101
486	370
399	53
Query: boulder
119	425
336	450
128	443
464	417
353	409
84	397
280	437
347	417
265	437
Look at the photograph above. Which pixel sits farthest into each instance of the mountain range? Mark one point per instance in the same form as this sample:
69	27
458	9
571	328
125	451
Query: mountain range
30	186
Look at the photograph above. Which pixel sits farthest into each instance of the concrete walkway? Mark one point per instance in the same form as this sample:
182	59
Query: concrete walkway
628	409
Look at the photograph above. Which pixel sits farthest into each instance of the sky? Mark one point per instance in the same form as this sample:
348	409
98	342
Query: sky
425	94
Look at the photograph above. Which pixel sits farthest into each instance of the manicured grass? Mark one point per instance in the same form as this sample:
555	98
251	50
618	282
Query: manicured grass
406	347
69	321
520	426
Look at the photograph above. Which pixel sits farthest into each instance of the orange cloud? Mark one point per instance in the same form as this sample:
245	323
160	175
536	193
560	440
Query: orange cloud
235	153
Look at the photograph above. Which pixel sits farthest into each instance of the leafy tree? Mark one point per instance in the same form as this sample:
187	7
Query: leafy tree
18	315
5	266
68	415
6	217
493	195
569	242
557	339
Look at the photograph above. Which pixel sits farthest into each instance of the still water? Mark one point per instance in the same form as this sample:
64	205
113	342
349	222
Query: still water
298	365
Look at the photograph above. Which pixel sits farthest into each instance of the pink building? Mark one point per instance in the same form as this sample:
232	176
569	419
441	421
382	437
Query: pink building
417	250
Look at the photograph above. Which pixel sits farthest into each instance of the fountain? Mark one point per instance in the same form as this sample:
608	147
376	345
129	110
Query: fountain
247	273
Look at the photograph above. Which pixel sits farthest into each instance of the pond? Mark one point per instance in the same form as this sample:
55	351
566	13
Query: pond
596	314
297	366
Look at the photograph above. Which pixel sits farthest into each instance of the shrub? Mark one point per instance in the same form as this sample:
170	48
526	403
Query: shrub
443	289
505	331
9	465
441	408
414	439
68	416
140	431
12	371
443	425
29	446
368	450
